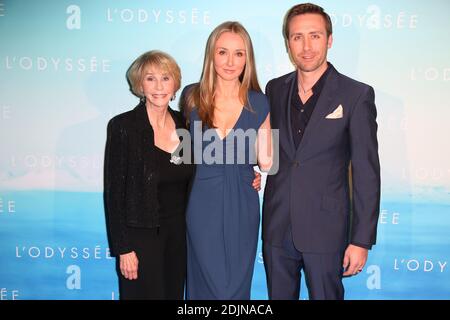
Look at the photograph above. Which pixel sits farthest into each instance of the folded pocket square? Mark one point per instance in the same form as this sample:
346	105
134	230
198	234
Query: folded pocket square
337	113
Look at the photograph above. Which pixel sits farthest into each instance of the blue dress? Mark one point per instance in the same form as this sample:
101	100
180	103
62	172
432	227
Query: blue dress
223	212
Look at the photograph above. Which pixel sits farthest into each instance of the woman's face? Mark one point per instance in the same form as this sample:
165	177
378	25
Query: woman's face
158	86
229	56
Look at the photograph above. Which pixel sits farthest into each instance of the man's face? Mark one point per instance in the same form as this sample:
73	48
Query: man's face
308	42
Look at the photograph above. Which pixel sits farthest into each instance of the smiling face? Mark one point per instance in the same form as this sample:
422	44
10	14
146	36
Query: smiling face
308	42
229	56
158	86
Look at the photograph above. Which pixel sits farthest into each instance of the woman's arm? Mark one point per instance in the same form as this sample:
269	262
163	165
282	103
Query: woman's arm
264	148
115	173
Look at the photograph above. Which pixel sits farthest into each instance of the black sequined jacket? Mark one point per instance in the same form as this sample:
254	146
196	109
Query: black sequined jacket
130	175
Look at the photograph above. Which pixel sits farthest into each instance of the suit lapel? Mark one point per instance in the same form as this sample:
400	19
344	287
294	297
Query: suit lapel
286	130
323	107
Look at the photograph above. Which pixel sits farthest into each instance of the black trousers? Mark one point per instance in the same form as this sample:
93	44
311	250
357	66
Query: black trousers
162	262
283	265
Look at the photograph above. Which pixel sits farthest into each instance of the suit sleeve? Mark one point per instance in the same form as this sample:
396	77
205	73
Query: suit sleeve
268	90
115	172
365	170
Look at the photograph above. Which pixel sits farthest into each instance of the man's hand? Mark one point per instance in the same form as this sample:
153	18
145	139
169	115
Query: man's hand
257	181
129	265
354	260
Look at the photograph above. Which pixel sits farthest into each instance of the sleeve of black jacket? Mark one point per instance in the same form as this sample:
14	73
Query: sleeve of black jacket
115	173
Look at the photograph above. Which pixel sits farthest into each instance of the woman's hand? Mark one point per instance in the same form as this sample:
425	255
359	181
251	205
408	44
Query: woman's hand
256	184
129	265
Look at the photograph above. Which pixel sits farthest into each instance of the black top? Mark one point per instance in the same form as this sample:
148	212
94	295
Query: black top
173	185
301	112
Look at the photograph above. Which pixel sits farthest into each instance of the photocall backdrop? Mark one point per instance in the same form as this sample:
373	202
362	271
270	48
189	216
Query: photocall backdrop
62	77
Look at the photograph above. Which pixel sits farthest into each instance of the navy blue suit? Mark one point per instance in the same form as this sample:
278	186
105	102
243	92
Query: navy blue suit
307	203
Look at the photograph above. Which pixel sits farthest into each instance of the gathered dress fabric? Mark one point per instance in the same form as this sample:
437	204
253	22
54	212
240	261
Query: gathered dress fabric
223	213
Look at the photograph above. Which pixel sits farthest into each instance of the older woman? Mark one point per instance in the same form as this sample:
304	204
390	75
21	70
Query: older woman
145	193
145	190
223	210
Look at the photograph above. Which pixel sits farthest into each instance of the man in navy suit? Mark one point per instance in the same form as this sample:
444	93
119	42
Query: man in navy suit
312	219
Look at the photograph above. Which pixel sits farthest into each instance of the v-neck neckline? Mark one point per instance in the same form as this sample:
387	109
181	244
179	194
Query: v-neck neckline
234	127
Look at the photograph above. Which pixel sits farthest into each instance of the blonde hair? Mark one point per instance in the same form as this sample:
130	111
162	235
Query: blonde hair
157	59
202	94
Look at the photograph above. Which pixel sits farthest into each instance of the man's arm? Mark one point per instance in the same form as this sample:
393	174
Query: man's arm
365	170
365	182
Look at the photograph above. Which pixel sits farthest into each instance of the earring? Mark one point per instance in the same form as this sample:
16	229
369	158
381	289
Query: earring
173	97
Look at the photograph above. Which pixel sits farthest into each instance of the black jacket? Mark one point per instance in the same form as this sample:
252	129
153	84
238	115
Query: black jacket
131	175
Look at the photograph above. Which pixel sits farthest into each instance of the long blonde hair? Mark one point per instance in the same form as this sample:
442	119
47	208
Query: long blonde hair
202	94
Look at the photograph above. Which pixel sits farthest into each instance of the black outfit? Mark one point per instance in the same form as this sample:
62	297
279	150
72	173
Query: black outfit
145	199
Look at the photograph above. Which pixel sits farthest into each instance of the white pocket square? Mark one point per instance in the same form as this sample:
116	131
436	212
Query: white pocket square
337	113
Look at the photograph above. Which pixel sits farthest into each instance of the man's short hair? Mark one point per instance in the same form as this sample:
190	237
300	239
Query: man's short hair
305	8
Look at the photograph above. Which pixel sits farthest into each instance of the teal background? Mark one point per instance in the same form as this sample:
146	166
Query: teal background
60	85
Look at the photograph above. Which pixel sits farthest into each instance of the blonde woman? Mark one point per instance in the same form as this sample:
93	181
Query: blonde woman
223	209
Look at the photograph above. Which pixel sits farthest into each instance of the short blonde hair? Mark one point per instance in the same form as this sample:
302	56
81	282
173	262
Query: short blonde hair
157	59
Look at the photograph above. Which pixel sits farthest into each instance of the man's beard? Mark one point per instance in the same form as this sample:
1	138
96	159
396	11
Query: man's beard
313	67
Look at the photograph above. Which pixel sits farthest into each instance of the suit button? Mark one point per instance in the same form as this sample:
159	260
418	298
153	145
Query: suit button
296	164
